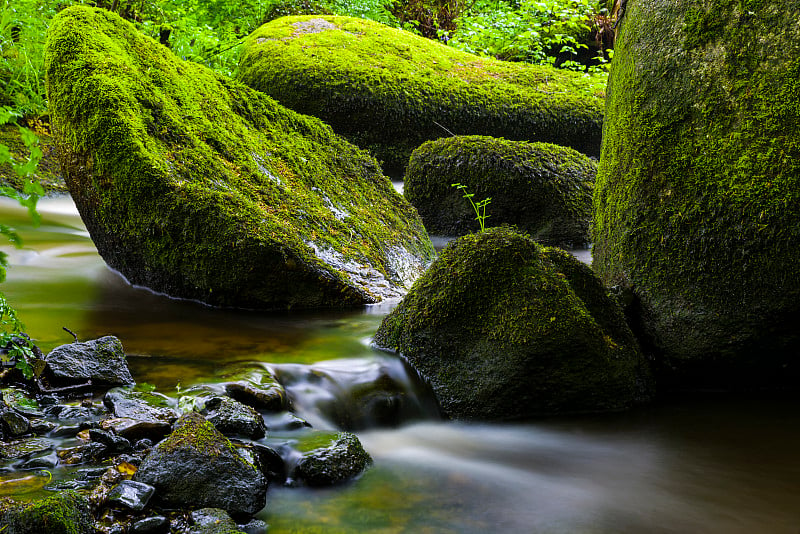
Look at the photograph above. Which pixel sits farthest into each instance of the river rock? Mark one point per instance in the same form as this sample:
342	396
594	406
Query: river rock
100	360
260	390
13	423
66	512
389	90
504	328
544	190
197	186
329	458
233	418
24	447
196	466
157	524
213	521
696	202
139	414
131	494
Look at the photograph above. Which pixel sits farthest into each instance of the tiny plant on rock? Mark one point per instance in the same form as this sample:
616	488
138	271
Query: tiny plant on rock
479	207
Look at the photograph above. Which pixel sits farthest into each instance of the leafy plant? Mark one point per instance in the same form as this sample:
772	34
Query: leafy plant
434	19
480	207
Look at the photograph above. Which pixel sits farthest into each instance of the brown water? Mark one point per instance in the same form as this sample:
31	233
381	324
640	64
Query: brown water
704	465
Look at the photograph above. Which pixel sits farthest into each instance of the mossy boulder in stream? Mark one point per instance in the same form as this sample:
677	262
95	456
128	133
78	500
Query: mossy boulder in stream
503	328
386	89
697	200
543	189
200	187
196	467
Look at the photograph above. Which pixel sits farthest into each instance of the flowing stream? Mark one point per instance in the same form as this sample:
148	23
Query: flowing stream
708	464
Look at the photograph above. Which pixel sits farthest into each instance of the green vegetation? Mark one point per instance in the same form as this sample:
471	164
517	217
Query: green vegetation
479	207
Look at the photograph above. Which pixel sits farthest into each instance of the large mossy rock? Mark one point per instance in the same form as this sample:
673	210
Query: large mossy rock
503	328
386	89
697	200
544	190
200	187
66	512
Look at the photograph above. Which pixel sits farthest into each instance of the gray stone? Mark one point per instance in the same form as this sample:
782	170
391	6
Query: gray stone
131	494
100	360
330	458
233	418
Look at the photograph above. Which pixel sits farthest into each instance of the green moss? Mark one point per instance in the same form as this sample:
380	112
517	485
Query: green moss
198	186
66	512
386	89
698	188
194	433
504	328
330	458
543	189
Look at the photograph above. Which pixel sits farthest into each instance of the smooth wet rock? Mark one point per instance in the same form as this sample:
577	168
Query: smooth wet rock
503	328
389	90
200	187
196	466
24	447
66	512
542	189
212	521
330	458
101	361
696	203
233	418
131	494
138	413
14	424
150	525
20	401
259	390
45	461
116	444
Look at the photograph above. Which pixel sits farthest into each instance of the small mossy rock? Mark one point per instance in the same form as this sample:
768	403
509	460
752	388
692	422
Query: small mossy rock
503	328
148	407
386	89
697	198
197	186
330	458
197	467
66	512
100	360
234	418
213	521
544	190
259	389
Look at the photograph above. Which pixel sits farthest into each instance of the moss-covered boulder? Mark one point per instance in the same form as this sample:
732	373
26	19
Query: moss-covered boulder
200	187
66	512
697	199
197	467
386	89
543	189
329	458
503	328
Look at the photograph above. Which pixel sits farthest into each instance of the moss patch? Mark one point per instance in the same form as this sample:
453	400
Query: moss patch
47	173
66	512
543	189
200	187
385	89
504	328
698	191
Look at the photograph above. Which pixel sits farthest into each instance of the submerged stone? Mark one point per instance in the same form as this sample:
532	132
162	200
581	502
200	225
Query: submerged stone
389	90
503	328
100	360
200	187
330	458
544	190
697	198
196	466
212	521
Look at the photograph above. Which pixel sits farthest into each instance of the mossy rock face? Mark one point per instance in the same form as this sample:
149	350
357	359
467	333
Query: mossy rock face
66	512
545	190
503	328
385	89
200	187
697	199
